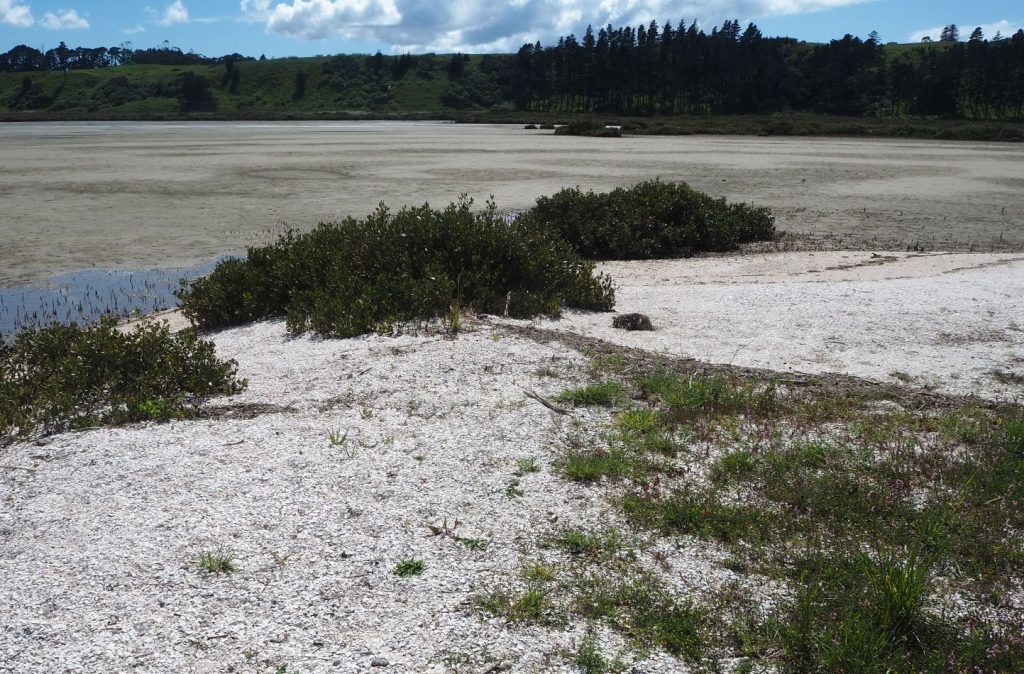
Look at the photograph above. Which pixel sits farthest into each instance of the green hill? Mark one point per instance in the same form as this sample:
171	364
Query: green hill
329	87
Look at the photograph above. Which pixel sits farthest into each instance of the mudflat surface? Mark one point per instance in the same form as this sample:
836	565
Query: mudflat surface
153	195
950	323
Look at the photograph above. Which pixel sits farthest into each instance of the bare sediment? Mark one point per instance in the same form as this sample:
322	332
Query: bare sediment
345	457
146	196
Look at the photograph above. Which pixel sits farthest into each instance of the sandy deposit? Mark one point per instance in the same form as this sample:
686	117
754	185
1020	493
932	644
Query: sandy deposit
143	196
950	322
100	530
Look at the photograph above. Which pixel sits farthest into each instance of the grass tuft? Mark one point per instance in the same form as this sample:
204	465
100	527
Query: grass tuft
602	394
409	567
217	561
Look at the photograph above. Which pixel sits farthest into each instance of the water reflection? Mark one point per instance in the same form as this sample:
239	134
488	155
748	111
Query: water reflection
86	295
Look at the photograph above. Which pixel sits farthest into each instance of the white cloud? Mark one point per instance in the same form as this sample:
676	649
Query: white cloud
175	13
491	25
134	30
64	19
1007	28
13	13
317	19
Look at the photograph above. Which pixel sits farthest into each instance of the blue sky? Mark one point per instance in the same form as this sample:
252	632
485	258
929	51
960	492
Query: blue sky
307	27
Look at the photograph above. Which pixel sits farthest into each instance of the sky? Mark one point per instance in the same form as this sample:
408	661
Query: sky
279	28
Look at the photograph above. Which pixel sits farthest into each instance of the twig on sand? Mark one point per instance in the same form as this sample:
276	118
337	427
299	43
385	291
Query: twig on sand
546	403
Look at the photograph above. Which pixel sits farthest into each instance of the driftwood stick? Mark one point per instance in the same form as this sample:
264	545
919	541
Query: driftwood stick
546	403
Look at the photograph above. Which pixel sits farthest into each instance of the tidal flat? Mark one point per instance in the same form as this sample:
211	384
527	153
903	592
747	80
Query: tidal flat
140	196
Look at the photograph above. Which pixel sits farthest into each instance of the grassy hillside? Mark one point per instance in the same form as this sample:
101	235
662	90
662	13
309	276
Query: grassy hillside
333	86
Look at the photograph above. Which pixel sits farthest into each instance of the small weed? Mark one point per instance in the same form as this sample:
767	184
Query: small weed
642	609
538	573
614	362
445	529
603	394
366	414
588	657
736	463
453	319
533	605
614	463
512	490
599	546
527	465
546	371
901	376
474	543
217	561
337	438
409	567
639	420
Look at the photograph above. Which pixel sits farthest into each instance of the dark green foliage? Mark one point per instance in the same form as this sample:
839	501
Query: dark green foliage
117	91
64	377
586	127
358	276
857	511
649	220
532	605
300	86
602	394
196	94
642	609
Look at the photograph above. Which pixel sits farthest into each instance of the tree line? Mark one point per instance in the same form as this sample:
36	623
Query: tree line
663	70
654	69
23	59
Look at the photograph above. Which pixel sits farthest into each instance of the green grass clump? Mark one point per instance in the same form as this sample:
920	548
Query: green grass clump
588	127
217	561
65	376
602	394
649	220
698	394
596	546
533	605
358	276
409	567
642	609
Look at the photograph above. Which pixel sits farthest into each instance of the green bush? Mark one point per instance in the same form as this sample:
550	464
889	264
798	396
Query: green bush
649	220
588	127
358	276
65	376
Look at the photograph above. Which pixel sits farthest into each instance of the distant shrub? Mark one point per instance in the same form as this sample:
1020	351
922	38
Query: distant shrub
358	276
65	376
588	128
649	220
195	94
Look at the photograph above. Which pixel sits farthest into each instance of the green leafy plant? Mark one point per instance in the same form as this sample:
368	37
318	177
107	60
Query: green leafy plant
650	220
602	394
409	567
358	276
217	561
65	376
531	605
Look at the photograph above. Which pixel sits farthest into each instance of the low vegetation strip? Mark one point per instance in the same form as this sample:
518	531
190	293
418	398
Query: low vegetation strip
649	220
894	532
358	276
66	377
